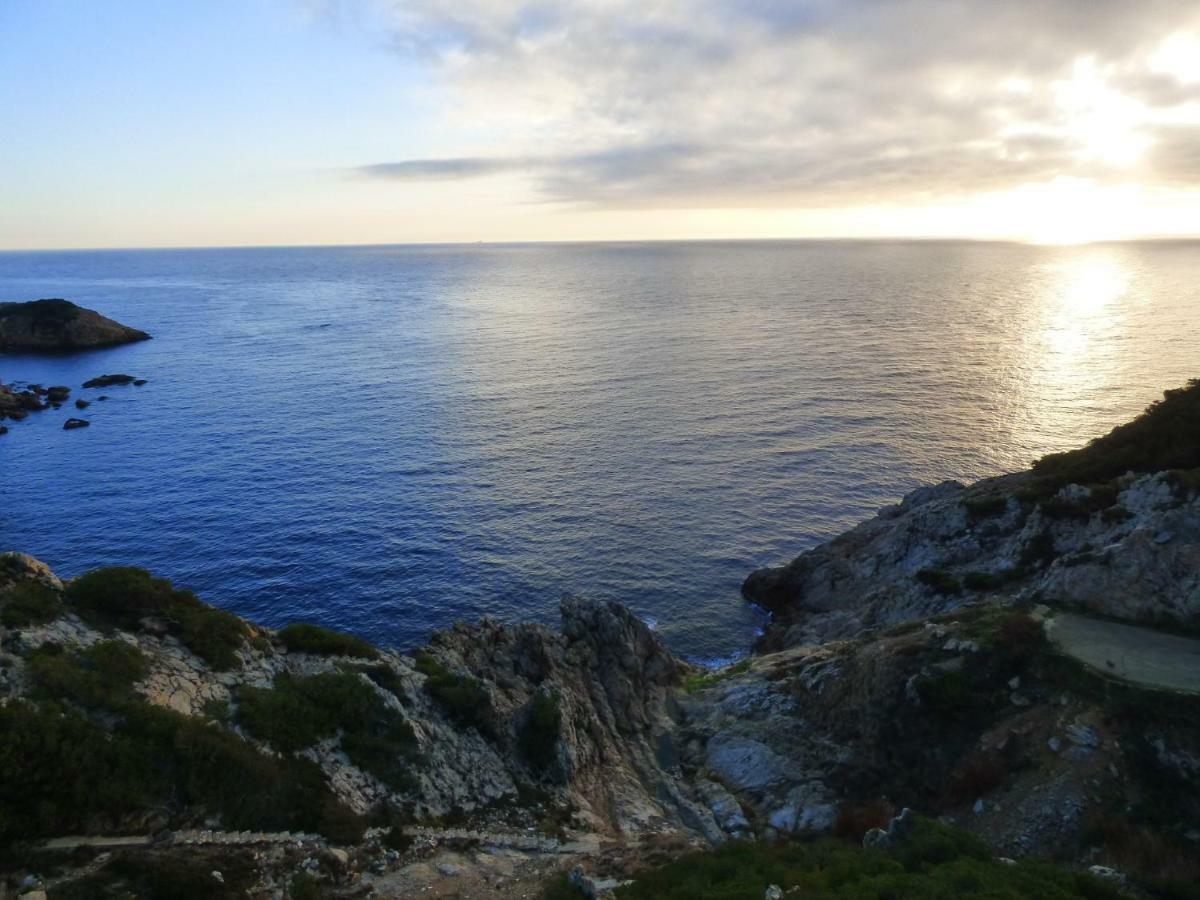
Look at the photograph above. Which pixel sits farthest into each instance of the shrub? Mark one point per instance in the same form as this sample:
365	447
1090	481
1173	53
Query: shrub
855	820
1099	497
978	774
934	862
946	692
303	637
60	772
1165	436
941	581
985	506
295	713
1038	552
29	603
100	677
463	697
122	596
982	581
383	676
305	887
181	875
539	734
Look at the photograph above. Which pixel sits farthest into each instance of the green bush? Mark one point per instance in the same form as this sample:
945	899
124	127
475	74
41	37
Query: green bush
100	677
939	580
61	772
463	697
296	713
302	637
29	603
935	862
539	733
1165	436
121	597
985	506
1037	553
384	676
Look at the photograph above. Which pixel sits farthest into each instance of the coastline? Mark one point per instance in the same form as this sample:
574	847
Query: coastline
903	688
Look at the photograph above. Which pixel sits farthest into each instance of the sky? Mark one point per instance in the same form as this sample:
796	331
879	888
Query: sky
137	123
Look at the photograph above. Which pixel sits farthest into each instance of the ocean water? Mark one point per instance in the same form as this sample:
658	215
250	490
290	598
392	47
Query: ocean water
387	439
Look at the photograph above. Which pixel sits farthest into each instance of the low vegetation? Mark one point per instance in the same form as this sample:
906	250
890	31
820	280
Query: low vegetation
296	713
126	597
934	862
303	637
29	603
100	677
62	772
699	680
180	874
463	697
940	581
539	734
1166	436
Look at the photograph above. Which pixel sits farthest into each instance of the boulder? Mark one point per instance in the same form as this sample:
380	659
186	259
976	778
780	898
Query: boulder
57	394
75	423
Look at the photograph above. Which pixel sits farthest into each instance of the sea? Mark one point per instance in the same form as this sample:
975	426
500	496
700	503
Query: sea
388	439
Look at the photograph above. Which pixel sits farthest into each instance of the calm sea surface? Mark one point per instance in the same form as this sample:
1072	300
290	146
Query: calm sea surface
386	439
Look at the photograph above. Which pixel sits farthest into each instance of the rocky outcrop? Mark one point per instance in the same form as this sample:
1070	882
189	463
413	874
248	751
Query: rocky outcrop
615	683
59	325
1130	550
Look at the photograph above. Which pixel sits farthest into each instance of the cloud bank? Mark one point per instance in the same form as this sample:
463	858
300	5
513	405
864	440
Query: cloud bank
761	103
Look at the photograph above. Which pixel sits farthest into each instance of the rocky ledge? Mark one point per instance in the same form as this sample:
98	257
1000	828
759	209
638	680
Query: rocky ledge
59	325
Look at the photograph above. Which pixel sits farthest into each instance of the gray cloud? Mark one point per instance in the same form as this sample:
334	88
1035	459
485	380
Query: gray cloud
768	102
440	169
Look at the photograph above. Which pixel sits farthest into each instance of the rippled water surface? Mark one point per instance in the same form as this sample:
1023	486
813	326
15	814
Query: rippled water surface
387	439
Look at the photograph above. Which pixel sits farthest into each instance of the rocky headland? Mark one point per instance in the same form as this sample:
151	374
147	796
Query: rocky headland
950	657
57	325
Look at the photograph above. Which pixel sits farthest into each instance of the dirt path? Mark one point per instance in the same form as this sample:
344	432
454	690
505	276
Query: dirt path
1137	655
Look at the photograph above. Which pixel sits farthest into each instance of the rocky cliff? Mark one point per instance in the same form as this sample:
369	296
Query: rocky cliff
913	662
59	325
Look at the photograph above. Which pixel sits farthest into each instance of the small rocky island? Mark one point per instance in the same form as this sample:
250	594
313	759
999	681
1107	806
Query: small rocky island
985	691
57	325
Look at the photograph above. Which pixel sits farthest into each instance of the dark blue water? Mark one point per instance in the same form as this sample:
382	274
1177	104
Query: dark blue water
387	439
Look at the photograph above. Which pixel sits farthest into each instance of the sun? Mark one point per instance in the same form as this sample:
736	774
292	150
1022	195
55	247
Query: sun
1063	211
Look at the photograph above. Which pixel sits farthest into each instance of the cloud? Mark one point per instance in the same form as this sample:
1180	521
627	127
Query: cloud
440	169
769	102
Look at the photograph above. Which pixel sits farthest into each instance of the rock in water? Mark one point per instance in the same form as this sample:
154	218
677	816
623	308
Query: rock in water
41	325
110	380
75	423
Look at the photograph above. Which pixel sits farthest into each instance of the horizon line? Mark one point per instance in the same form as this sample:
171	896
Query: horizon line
864	239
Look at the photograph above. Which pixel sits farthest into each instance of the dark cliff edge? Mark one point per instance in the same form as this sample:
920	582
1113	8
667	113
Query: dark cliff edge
929	660
56	325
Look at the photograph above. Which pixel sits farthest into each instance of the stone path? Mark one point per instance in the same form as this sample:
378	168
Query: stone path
1137	655
514	840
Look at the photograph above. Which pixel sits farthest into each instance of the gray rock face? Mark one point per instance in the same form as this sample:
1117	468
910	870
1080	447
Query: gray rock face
616	683
55	325
1136	559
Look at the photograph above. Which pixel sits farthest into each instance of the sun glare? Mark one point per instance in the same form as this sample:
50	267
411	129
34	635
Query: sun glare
1063	211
